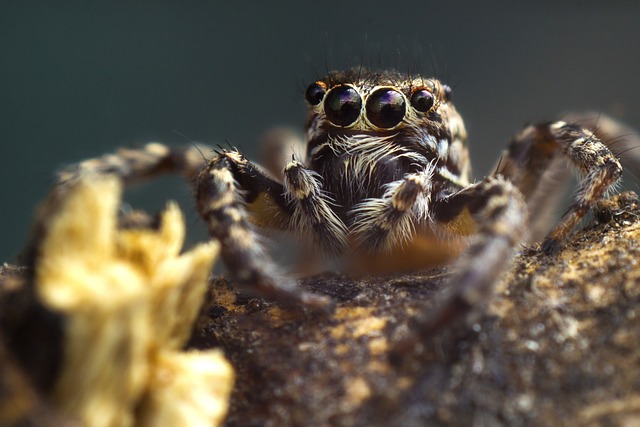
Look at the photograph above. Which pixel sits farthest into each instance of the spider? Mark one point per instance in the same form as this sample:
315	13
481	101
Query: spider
385	181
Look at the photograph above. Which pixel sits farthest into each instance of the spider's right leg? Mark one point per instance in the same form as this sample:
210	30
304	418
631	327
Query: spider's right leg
226	186
225	189
137	164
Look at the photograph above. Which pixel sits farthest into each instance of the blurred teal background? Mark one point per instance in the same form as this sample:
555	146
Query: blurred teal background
80	78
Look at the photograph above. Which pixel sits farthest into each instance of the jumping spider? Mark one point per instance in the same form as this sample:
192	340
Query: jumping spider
385	177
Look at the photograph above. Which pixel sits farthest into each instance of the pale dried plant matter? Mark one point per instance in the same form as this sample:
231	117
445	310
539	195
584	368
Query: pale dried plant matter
129	299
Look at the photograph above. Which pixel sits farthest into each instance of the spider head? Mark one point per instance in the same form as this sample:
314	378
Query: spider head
357	102
366	129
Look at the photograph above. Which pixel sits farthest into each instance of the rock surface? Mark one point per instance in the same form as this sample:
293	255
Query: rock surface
559	344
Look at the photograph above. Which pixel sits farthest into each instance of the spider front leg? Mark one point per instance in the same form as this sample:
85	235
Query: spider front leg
226	188
133	165
494	213
534	152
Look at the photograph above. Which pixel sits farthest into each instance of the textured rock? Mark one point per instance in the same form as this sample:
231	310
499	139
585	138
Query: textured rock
559	344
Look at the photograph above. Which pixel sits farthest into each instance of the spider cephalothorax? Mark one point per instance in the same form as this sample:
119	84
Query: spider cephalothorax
366	133
386	172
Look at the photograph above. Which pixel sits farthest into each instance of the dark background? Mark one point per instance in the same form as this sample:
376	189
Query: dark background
81	78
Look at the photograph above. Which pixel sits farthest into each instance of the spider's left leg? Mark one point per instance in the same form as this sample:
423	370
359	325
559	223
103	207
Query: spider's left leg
493	213
537	149
226	190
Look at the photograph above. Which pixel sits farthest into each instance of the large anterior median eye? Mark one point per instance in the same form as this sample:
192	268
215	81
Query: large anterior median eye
386	108
342	105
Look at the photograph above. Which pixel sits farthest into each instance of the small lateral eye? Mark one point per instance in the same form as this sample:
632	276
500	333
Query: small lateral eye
315	92
386	108
422	100
448	92
342	105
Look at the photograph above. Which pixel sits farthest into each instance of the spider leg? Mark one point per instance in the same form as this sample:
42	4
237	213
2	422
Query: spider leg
535	151
312	213
225	189
622	140
137	164
493	212
385	222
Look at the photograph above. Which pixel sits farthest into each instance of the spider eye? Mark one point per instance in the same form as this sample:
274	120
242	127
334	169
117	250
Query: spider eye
386	108
448	92
315	92
342	105
422	100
